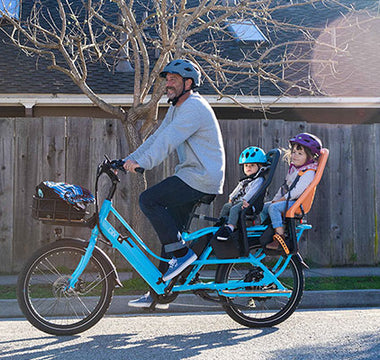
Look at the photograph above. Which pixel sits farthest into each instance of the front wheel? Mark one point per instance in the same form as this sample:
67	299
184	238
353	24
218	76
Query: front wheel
45	298
271	305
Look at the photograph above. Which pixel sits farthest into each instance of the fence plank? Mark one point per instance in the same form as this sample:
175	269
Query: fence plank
339	210
27	170
52	163
6	193
319	241
54	147
78	166
376	131
363	193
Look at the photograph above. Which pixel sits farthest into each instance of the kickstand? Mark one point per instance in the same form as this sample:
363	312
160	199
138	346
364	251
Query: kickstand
152	306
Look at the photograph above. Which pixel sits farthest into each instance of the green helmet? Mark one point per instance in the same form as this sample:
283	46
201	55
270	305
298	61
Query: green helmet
252	154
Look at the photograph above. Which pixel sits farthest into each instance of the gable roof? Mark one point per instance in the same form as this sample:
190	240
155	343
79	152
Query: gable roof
20	74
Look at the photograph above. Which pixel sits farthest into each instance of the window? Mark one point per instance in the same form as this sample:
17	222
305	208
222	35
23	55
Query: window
10	7
246	30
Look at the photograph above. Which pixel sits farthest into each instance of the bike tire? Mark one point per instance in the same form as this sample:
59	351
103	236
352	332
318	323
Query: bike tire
45	301
268	310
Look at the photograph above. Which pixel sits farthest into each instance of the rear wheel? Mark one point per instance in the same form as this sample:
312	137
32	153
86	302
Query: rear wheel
46	300
275	305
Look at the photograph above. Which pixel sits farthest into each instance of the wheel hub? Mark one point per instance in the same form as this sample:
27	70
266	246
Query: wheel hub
61	287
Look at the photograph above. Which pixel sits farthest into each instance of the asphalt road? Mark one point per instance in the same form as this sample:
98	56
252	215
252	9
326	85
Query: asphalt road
307	334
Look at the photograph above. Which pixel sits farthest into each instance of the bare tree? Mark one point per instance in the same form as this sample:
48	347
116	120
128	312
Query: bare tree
72	35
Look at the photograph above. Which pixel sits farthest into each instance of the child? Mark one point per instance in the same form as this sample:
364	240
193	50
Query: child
302	156
252	159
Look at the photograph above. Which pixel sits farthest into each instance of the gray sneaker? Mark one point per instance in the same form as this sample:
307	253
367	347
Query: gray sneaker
145	301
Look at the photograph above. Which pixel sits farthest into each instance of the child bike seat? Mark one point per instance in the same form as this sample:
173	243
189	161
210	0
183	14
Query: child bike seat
273	157
303	204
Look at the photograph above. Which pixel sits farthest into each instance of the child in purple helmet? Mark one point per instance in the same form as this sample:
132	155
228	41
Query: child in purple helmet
302	156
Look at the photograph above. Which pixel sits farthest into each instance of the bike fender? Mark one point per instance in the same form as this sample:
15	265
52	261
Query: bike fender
103	254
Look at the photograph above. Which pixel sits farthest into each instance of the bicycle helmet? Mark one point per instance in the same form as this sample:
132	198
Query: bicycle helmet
310	141
252	154
185	68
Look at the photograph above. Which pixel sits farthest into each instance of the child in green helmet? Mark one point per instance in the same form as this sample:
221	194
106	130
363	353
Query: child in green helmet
252	159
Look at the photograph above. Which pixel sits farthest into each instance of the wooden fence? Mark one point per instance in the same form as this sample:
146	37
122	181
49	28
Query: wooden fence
344	216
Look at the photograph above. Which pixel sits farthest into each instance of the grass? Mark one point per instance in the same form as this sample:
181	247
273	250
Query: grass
7	291
138	286
342	283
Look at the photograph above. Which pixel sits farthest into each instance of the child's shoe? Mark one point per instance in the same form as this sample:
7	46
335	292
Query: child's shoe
278	244
223	233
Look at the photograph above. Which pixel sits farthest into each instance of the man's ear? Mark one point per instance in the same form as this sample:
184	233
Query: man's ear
188	84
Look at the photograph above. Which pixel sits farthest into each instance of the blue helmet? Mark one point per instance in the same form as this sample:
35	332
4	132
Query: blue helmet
252	154
185	68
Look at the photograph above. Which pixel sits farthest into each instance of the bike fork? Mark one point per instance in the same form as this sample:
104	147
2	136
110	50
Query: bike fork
84	260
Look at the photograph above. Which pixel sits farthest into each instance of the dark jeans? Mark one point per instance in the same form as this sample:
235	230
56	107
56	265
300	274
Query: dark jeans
167	205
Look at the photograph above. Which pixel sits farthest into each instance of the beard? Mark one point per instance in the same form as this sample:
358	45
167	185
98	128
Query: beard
171	92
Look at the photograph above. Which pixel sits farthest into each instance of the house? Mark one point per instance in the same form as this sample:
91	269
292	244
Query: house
348	78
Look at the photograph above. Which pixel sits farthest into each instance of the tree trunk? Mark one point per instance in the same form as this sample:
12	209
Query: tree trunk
137	183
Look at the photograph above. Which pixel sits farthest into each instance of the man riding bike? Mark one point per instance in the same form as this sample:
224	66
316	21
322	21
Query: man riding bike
190	127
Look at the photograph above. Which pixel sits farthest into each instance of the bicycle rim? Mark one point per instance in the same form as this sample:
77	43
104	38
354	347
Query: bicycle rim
50	305
267	310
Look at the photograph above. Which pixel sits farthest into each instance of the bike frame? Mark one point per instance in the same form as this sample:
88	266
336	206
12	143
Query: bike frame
132	249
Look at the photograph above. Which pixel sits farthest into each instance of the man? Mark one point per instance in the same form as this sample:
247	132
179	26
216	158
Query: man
191	128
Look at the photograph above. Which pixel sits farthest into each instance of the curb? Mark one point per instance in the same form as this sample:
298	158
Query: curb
190	303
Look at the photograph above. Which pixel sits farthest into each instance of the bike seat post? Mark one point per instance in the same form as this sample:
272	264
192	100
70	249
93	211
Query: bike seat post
191	216
206	199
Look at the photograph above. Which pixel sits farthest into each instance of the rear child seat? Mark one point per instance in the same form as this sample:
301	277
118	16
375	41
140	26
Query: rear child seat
303	204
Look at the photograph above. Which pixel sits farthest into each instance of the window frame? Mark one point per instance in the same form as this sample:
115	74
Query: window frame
13	8
246	31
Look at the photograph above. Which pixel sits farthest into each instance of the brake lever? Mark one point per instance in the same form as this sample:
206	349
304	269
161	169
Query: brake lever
118	165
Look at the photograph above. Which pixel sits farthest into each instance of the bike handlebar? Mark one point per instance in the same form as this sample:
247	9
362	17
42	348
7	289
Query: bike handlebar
140	170
119	165
108	167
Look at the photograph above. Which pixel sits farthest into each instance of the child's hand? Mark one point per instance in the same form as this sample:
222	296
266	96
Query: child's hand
245	204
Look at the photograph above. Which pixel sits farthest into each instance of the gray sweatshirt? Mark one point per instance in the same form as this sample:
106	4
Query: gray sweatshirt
193	131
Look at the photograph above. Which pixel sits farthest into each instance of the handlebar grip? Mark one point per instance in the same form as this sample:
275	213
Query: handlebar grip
140	170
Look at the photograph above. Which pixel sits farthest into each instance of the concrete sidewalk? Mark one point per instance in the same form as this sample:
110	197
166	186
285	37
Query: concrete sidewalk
191	303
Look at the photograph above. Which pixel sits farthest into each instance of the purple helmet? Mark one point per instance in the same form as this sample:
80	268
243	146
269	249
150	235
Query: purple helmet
308	140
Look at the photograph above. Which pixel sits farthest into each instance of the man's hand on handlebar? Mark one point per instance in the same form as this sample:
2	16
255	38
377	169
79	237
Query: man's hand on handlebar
131	166
124	166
